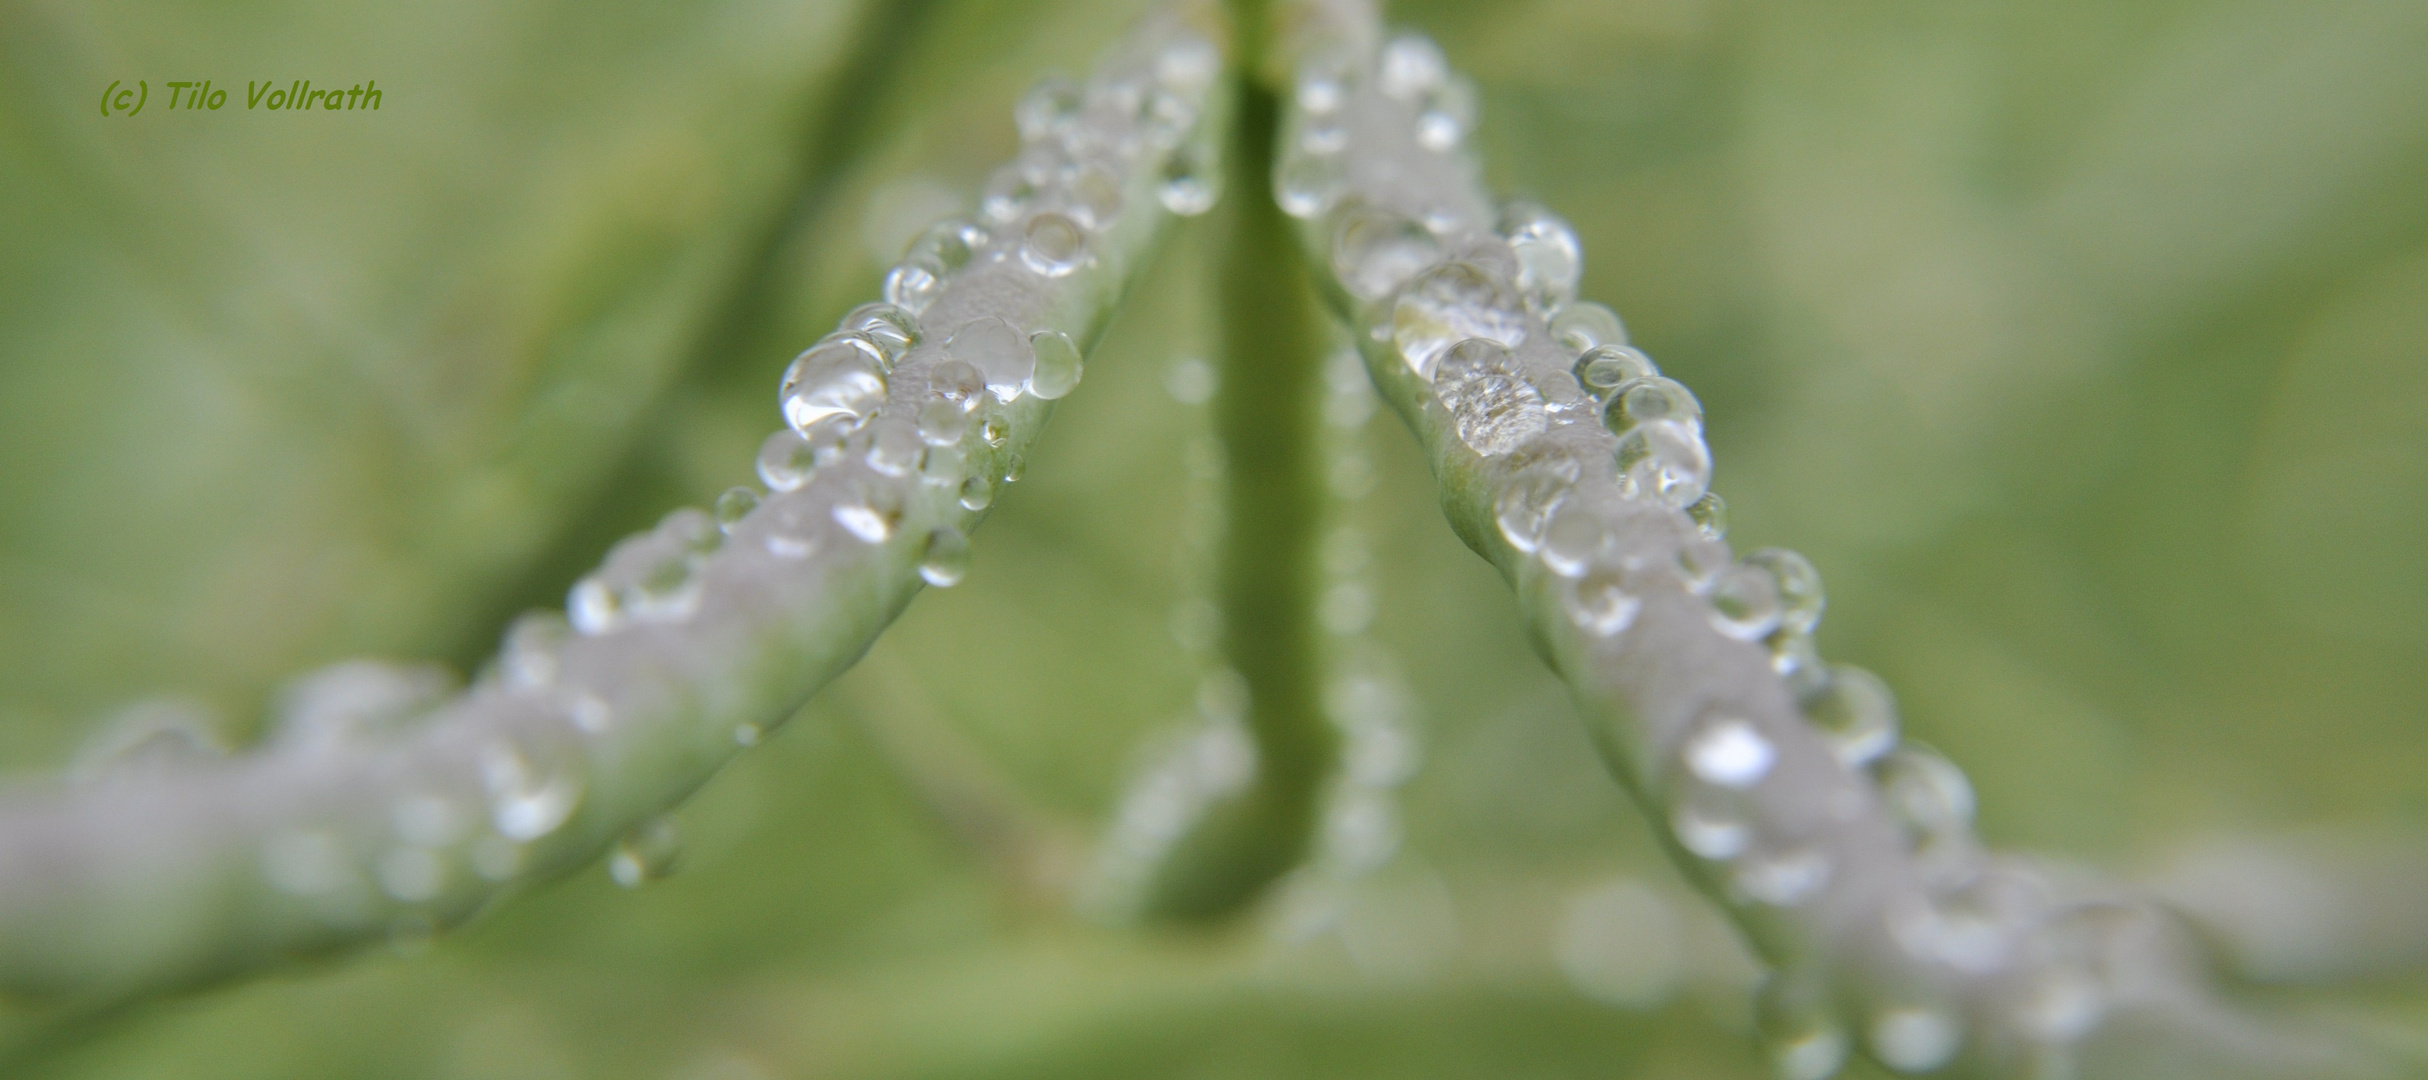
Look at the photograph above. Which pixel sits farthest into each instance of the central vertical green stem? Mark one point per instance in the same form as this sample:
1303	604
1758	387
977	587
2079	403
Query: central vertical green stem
1266	415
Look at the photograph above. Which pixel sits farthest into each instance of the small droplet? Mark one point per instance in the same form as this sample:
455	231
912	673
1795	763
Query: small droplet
1526	505
786	460
894	447
946	465
746	735
1710	515
870	512
592	607
1010	191
1190	381
1410	65
528	799
1450	303
945	559
791	530
941	422
1094	197
1549	258
1800	1026
1586	325
1855	712
1049	105
1643	400
1191	184
733	506
1492	405
892	330
1664	462
841	379
1445	115
1374	251
1572	538
1307	185
1926	791
1783	878
1914	1038
977	493
1598	602
995	431
1058	364
1052	245
342	705
1708	823
1744	603
528	659
1731	753
1798	584
913	284
647	853
1602	369
1015	466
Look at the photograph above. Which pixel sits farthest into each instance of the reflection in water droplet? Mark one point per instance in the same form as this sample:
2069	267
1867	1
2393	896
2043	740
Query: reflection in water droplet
1586	325
1650	398
945	559
1549	257
892	330
1491	404
1191	184
1448	304
1664	462
1730	752
1307	185
913	284
786	460
998	351
1053	103
528	799
1410	65
1598	602
1374	251
733	506
977	492
1710	515
1744	603
1602	369
841	379
894	447
1052	245
1856	714
1798	586
1058	364
870	512
647	853
1926	791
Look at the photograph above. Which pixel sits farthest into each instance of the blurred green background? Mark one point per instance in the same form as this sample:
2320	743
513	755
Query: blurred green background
2083	346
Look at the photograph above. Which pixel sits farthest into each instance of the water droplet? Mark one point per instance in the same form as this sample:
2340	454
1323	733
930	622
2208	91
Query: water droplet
945	559
1855	712
1526	505
1374	251
1731	753
1049	106
1598	602
1015	466
1744	603
1915	1038
870	512
1800	1026
998	351
647	853
1445	115
1783	878
791	530
1188	65
946	465
1643	400
1058	364
733	506
892	330
1052	245
410	874
1450	303
995	432
592	607
1602	369
1494	407
165	733
841	379
1709	823
1190	381
1548	255
894	447
1011	190
786	460
1323	136
746	735
913	284
1700	562
1925	791
1586	325
1798	663
1573	536
1710	515
1799	587
1094	196
1191	182
528	799
941	422
1410	65
361	700
1307	185
977	493
1665	462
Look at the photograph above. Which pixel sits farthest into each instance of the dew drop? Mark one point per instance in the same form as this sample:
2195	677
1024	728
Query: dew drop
1052	245
592	607
1492	405
1190	184
733	506
1602	369
1526	505
945	559
1015	466
746	735
1587	325
1709	824
894	447
1573	536
1307	185
528	659
526	799
977	493
1409	66
1094	197
1010	191
1190	381
791	530
1744	603
1730	753
892	330
841	379
647	853
1548	255
945	466
1800	1028
1664	462
1915	1038
1798	584
1445	115
1058	364
1856	714
1710	515
1783	878
1048	106
870	513
1643	400
999	352
786	460
1926	791
1450	303
995	432
1374	251
941	422
1701	561
913	284
1598	602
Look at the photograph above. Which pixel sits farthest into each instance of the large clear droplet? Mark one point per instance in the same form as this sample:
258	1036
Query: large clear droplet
841	379
1664	462
786	460
1574	536
733	506
1585	325
894	447
1710	515
1598	602
892	330
1744	603
1058	364
998	351
647	853
945	559
1642	400
1926	791
1448	304
1374	251
1549	258
1526	505
977	492
1602	369
1307	185
913	284
1492	405
1052	245
1855	712
1410	65
941	422
1799	587
1191	183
